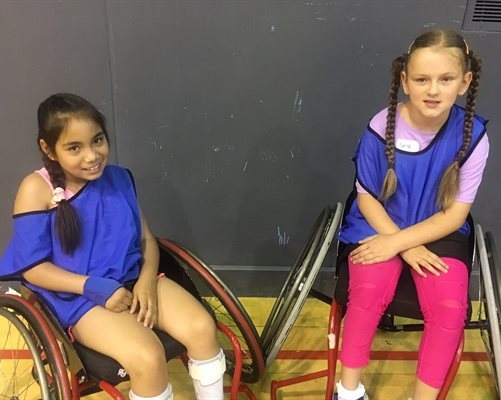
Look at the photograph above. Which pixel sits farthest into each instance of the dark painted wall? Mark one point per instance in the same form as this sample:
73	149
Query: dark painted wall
237	118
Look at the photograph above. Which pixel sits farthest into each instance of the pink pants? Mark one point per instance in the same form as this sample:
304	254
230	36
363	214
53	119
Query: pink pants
443	300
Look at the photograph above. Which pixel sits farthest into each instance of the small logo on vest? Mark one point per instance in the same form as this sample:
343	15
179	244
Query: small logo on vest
122	373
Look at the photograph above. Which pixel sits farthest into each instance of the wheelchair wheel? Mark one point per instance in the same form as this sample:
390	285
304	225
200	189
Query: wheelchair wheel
282	304
22	373
298	286
227	309
490	308
37	370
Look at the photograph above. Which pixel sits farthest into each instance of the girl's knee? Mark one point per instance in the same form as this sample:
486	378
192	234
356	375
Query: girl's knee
370	297
452	314
146	358
203	325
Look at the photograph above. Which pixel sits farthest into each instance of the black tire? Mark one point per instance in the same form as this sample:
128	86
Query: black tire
298	298
489	310
54	371
227	310
291	287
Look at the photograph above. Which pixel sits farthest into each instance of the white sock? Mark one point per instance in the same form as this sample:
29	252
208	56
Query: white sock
208	377
345	394
166	395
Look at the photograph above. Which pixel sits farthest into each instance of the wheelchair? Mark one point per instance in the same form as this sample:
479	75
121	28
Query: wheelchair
405	304
39	361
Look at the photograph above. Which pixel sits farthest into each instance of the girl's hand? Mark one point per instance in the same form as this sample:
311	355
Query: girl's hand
145	301
119	301
420	258
374	249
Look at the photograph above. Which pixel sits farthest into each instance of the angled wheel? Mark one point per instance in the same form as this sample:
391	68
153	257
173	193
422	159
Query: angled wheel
299	287
227	310
299	282
490	307
31	365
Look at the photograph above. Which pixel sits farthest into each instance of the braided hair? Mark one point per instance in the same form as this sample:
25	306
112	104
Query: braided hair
449	184
54	115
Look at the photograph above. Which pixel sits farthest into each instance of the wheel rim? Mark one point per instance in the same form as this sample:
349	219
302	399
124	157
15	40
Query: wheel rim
22	371
226	308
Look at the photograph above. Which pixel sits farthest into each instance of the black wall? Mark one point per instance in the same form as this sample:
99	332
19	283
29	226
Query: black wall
238	118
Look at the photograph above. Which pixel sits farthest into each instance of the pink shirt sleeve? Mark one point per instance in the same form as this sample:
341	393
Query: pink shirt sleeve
470	174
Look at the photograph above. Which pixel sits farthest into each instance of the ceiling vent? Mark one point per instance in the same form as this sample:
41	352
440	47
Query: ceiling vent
483	16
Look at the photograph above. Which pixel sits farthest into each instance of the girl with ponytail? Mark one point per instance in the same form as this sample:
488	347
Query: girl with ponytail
418	168
82	243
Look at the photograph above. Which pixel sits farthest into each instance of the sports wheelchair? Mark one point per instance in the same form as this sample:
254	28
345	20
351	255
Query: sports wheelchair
405	304
39	361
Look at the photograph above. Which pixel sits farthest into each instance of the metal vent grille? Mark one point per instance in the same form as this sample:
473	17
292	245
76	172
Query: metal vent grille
483	15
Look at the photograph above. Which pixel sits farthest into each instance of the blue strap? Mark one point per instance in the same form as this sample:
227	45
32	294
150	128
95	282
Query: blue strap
98	290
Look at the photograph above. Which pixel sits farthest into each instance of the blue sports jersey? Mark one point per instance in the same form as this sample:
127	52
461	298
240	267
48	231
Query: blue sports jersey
418	174
110	225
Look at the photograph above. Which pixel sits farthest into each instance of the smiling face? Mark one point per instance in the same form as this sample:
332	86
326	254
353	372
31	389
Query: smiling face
433	80
81	150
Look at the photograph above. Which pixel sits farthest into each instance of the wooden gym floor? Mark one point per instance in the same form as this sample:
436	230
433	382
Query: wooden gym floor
303	352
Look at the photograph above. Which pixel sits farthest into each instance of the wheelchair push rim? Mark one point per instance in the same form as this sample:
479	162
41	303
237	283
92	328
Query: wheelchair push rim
227	310
489	309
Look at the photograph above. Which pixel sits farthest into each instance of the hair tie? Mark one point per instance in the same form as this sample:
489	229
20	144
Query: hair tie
410	48
467	48
58	195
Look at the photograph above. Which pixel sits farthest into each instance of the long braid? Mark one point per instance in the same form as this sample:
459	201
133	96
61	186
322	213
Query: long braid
390	180
449	185
67	224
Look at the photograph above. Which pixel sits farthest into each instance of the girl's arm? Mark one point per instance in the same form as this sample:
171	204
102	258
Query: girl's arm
145	300
391	241
34	195
433	228
52	277
375	214
149	249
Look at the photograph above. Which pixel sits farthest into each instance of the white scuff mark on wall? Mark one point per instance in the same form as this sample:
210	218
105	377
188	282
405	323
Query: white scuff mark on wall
273	28
298	102
268	155
429	25
283	238
216	148
245	166
153	142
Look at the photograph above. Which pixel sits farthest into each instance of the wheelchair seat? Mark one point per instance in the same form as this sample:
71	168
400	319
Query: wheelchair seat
405	302
100	367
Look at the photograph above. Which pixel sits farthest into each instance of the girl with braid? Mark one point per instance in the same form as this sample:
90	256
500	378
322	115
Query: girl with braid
418	167
82	243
